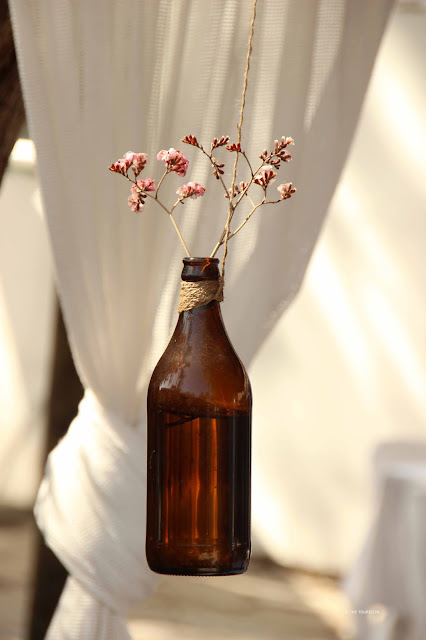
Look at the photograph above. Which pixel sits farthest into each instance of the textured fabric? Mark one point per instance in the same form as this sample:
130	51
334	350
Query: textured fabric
91	478
100	78
79	615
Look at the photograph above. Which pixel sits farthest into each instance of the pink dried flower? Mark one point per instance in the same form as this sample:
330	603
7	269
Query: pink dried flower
282	144
236	192
119	167
234	146
190	139
138	195
143	185
135	203
286	190
138	160
175	161
191	190
128	158
219	142
265	176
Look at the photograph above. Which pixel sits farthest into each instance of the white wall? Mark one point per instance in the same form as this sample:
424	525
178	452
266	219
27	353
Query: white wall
26	306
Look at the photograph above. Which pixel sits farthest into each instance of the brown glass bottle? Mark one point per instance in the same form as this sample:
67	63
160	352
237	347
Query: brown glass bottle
199	446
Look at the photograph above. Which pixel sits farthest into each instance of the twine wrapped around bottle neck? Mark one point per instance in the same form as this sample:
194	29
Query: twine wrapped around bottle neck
198	294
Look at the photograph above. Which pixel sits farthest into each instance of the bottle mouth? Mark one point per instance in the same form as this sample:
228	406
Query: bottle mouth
200	261
198	269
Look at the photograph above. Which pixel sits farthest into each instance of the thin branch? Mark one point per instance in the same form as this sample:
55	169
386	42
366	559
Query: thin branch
251	201
243	153
234	233
218	245
249	183
161	180
170	214
180	235
129	179
163	207
176	204
231	209
242	194
216	168
273	201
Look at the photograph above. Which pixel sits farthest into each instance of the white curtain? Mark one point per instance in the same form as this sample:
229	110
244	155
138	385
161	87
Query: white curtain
103	77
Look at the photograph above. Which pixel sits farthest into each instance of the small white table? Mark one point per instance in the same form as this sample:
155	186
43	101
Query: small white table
390	573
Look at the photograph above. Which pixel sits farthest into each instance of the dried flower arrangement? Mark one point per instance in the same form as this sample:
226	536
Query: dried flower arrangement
176	162
199	435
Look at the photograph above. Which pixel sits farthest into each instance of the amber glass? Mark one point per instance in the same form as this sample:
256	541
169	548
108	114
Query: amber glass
199	446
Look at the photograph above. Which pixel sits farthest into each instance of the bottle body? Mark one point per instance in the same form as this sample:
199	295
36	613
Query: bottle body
199	448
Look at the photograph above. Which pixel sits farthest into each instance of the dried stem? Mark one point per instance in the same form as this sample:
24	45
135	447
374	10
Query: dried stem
251	201
249	183
180	235
242	194
243	153
159	184
163	206
216	168
174	223
226	231
255	207
234	233
236	193
239	127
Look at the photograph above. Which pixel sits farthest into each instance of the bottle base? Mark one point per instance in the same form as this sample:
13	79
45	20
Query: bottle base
197	560
200	573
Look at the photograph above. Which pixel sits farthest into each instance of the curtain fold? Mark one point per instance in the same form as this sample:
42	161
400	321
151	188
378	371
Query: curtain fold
100	78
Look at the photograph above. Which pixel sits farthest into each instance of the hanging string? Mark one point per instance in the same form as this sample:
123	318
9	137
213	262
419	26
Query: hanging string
239	127
193	295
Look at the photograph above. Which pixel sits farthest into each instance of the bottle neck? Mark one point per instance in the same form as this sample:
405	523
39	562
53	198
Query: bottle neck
201	283
202	326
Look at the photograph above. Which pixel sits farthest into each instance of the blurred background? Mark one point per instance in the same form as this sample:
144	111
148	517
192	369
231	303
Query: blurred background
342	372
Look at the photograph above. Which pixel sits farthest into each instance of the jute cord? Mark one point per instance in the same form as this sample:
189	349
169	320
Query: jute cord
198	294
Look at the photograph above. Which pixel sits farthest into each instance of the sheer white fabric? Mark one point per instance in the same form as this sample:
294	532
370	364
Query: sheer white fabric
79	497
103	77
